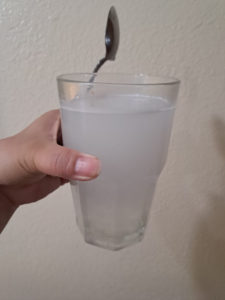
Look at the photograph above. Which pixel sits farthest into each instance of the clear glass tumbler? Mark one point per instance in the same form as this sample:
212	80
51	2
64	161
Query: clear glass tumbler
124	120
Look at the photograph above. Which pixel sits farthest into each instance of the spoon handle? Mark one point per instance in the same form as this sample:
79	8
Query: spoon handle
101	62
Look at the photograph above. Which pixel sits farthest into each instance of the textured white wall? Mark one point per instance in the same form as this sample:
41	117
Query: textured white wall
42	255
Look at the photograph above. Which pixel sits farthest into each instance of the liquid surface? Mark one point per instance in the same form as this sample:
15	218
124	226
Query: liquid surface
117	104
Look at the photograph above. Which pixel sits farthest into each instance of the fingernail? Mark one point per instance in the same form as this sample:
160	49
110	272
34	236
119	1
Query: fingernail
86	167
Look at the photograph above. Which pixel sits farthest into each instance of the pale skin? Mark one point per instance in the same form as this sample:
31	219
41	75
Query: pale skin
34	164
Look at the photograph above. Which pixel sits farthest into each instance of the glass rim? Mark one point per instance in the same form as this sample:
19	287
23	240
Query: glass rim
153	80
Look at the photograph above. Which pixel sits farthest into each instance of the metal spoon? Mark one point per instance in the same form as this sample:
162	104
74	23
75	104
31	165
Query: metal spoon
112	37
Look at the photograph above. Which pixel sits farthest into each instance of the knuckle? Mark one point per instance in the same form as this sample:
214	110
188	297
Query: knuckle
64	163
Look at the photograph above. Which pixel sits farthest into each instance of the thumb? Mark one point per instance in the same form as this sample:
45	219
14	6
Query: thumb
63	162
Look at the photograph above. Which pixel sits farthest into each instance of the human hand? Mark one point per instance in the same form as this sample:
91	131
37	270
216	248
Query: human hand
32	164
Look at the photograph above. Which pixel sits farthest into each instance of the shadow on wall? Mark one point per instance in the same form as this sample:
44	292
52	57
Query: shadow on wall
208	256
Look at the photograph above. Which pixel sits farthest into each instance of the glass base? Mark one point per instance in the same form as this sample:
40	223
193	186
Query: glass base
114	243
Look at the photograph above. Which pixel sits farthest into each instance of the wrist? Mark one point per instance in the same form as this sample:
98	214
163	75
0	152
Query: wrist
7	209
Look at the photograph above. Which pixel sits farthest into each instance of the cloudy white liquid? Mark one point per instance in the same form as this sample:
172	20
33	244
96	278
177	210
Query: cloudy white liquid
130	135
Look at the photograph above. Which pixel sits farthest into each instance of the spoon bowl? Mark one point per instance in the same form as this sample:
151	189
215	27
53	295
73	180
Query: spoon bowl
112	37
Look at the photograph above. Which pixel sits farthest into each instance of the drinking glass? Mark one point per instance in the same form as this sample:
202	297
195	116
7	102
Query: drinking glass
124	120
